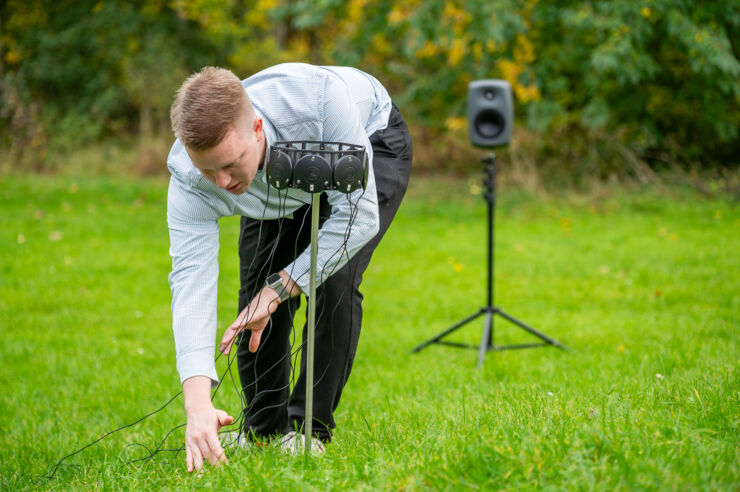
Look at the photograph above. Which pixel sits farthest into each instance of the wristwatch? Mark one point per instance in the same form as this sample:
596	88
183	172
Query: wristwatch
275	282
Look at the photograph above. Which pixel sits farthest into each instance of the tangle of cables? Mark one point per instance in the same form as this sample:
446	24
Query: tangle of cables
312	167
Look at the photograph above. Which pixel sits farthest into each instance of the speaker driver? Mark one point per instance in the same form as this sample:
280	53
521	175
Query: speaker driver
490	123
348	174
312	173
279	169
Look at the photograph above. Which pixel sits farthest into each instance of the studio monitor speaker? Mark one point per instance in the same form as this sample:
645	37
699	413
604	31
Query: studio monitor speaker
490	112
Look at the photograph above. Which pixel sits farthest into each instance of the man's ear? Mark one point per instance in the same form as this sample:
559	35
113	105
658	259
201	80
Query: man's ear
257	127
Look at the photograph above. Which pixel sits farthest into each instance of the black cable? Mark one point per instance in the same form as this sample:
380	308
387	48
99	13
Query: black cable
111	432
292	353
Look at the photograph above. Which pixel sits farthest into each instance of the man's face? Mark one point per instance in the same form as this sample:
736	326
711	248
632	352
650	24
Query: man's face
233	163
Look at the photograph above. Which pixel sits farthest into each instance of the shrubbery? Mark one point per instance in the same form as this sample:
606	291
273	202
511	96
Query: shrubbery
600	87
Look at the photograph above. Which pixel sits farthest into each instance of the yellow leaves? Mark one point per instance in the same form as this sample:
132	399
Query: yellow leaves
97	7
490	46
455	13
455	49
477	51
257	16
381	45
646	12
455	123
523	50
458	48
12	57
527	93
354	11
510	70
397	15
457	17
428	50
299	46
25	14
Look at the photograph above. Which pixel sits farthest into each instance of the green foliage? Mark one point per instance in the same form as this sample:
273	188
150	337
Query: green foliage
660	76
94	68
639	284
657	79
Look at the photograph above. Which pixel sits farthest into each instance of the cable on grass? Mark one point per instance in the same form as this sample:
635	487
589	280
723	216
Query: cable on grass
245	406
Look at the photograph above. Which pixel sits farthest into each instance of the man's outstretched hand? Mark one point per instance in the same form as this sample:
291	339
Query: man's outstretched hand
204	421
254	317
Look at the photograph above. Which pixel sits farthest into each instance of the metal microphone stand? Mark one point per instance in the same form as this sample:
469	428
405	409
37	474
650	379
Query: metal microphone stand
489	310
311	335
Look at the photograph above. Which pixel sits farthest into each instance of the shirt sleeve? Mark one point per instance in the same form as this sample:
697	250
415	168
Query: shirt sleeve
354	217
193	226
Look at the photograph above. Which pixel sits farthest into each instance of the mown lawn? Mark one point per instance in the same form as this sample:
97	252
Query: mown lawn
644	286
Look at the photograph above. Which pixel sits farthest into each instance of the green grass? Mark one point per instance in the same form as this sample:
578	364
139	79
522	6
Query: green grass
639	284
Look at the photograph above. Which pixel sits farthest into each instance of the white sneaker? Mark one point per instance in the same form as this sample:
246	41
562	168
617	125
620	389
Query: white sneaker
235	439
295	444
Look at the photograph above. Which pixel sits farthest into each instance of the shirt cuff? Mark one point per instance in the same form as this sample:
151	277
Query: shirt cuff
197	364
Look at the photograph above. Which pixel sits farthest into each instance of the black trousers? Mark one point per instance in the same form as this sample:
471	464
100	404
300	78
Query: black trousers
268	246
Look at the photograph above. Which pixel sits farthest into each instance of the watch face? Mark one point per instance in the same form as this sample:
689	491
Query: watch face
276	283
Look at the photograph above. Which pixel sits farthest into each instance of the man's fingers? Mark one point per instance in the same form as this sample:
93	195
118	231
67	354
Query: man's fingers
254	340
197	458
232	331
216	452
228	339
223	418
189	458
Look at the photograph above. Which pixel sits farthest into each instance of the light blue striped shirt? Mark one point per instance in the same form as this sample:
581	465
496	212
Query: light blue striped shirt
296	102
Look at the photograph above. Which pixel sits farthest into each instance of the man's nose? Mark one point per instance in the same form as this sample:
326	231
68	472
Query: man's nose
222	178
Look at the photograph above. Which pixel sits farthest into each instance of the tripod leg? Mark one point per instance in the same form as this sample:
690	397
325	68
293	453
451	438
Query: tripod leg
485	341
448	330
534	332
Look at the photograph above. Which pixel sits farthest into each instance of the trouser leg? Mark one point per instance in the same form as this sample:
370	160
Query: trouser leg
339	300
264	248
265	375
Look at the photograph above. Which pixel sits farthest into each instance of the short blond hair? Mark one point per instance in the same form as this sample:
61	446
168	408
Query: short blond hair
207	105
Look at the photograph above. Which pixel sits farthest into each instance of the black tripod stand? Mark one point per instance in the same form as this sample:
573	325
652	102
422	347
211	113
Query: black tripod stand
489	310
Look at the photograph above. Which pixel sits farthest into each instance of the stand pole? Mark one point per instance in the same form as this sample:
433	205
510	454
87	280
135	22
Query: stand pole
308	418
489	310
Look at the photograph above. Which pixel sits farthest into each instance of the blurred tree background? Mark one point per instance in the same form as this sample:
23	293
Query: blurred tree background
602	89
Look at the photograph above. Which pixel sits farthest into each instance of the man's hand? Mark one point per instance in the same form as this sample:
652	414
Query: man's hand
204	421
254	317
